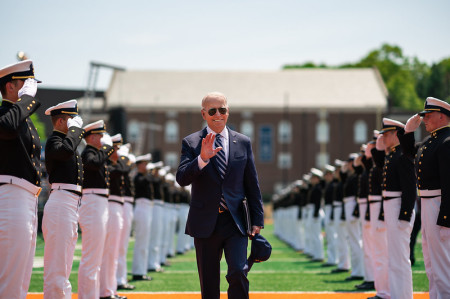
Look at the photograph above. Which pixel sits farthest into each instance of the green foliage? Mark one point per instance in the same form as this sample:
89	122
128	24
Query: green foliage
40	126
408	80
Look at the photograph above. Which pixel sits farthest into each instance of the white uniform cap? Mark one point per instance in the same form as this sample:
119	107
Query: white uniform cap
338	163
316	172
306	177
162	172
158	164
170	177
435	105
68	107
97	127
117	139
147	157
21	70
329	168
352	156
150	166
390	124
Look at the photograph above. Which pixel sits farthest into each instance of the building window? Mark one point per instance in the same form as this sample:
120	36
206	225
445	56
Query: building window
322	132
171	159
171	133
322	159
133	131
265	143
247	129
360	131
284	160
284	131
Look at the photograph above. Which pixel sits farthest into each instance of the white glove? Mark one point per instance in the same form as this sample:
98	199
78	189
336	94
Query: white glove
132	158
28	88
344	167
368	152
77	121
444	233
106	139
413	123
123	151
380	143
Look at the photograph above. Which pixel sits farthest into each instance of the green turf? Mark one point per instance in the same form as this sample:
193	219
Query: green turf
286	270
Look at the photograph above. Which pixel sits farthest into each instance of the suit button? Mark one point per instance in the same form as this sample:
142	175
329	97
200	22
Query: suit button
406	213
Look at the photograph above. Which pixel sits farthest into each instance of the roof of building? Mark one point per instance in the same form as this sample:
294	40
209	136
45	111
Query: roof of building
305	89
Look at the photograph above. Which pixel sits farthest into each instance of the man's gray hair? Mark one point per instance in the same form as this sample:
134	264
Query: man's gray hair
214	94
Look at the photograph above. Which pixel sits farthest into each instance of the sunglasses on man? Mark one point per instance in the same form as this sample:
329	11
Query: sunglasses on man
213	111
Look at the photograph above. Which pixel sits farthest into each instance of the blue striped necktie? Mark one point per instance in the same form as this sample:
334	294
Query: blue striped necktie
221	165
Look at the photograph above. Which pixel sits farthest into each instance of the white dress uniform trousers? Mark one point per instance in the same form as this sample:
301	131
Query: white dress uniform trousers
165	233
108	270
398	238
183	239
379	250
124	240
342	237
331	236
93	219
18	226
436	249
173	229
142	227
354	237
60	230
316	235
154	254
296	231
308	222
367	240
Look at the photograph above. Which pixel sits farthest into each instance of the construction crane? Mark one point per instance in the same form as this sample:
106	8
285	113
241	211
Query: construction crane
89	94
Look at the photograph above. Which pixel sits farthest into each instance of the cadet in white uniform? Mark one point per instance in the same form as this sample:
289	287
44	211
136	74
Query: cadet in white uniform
20	153
60	221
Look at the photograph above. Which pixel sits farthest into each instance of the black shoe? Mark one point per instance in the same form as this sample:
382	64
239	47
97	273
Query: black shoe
339	270
350	278
141	277
375	297
317	260
125	287
366	285
114	297
328	265
180	253
120	297
156	270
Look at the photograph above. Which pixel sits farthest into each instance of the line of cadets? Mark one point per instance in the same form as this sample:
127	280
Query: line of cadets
106	211
367	206
93	190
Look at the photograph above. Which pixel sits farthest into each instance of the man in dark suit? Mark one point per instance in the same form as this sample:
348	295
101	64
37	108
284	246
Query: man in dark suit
219	164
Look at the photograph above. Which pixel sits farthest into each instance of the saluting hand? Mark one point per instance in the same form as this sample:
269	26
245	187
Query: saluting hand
208	151
413	123
28	88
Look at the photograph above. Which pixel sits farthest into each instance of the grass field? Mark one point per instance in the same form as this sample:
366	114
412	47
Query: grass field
286	271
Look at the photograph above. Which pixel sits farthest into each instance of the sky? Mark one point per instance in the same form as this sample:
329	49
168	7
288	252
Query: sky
63	37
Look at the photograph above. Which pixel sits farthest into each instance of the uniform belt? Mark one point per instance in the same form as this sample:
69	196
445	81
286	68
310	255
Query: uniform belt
348	198
391	194
97	191
362	200
375	198
337	204
128	199
67	187
116	198
22	183
429	193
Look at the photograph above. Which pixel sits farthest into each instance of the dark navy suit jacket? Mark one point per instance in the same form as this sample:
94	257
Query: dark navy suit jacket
240	181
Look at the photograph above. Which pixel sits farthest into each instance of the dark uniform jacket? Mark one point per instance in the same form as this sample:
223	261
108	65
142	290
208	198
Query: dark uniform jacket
128	186
376	177
398	175
315	197
158	193
432	166
95	169
63	163
20	148
143	187
116	178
